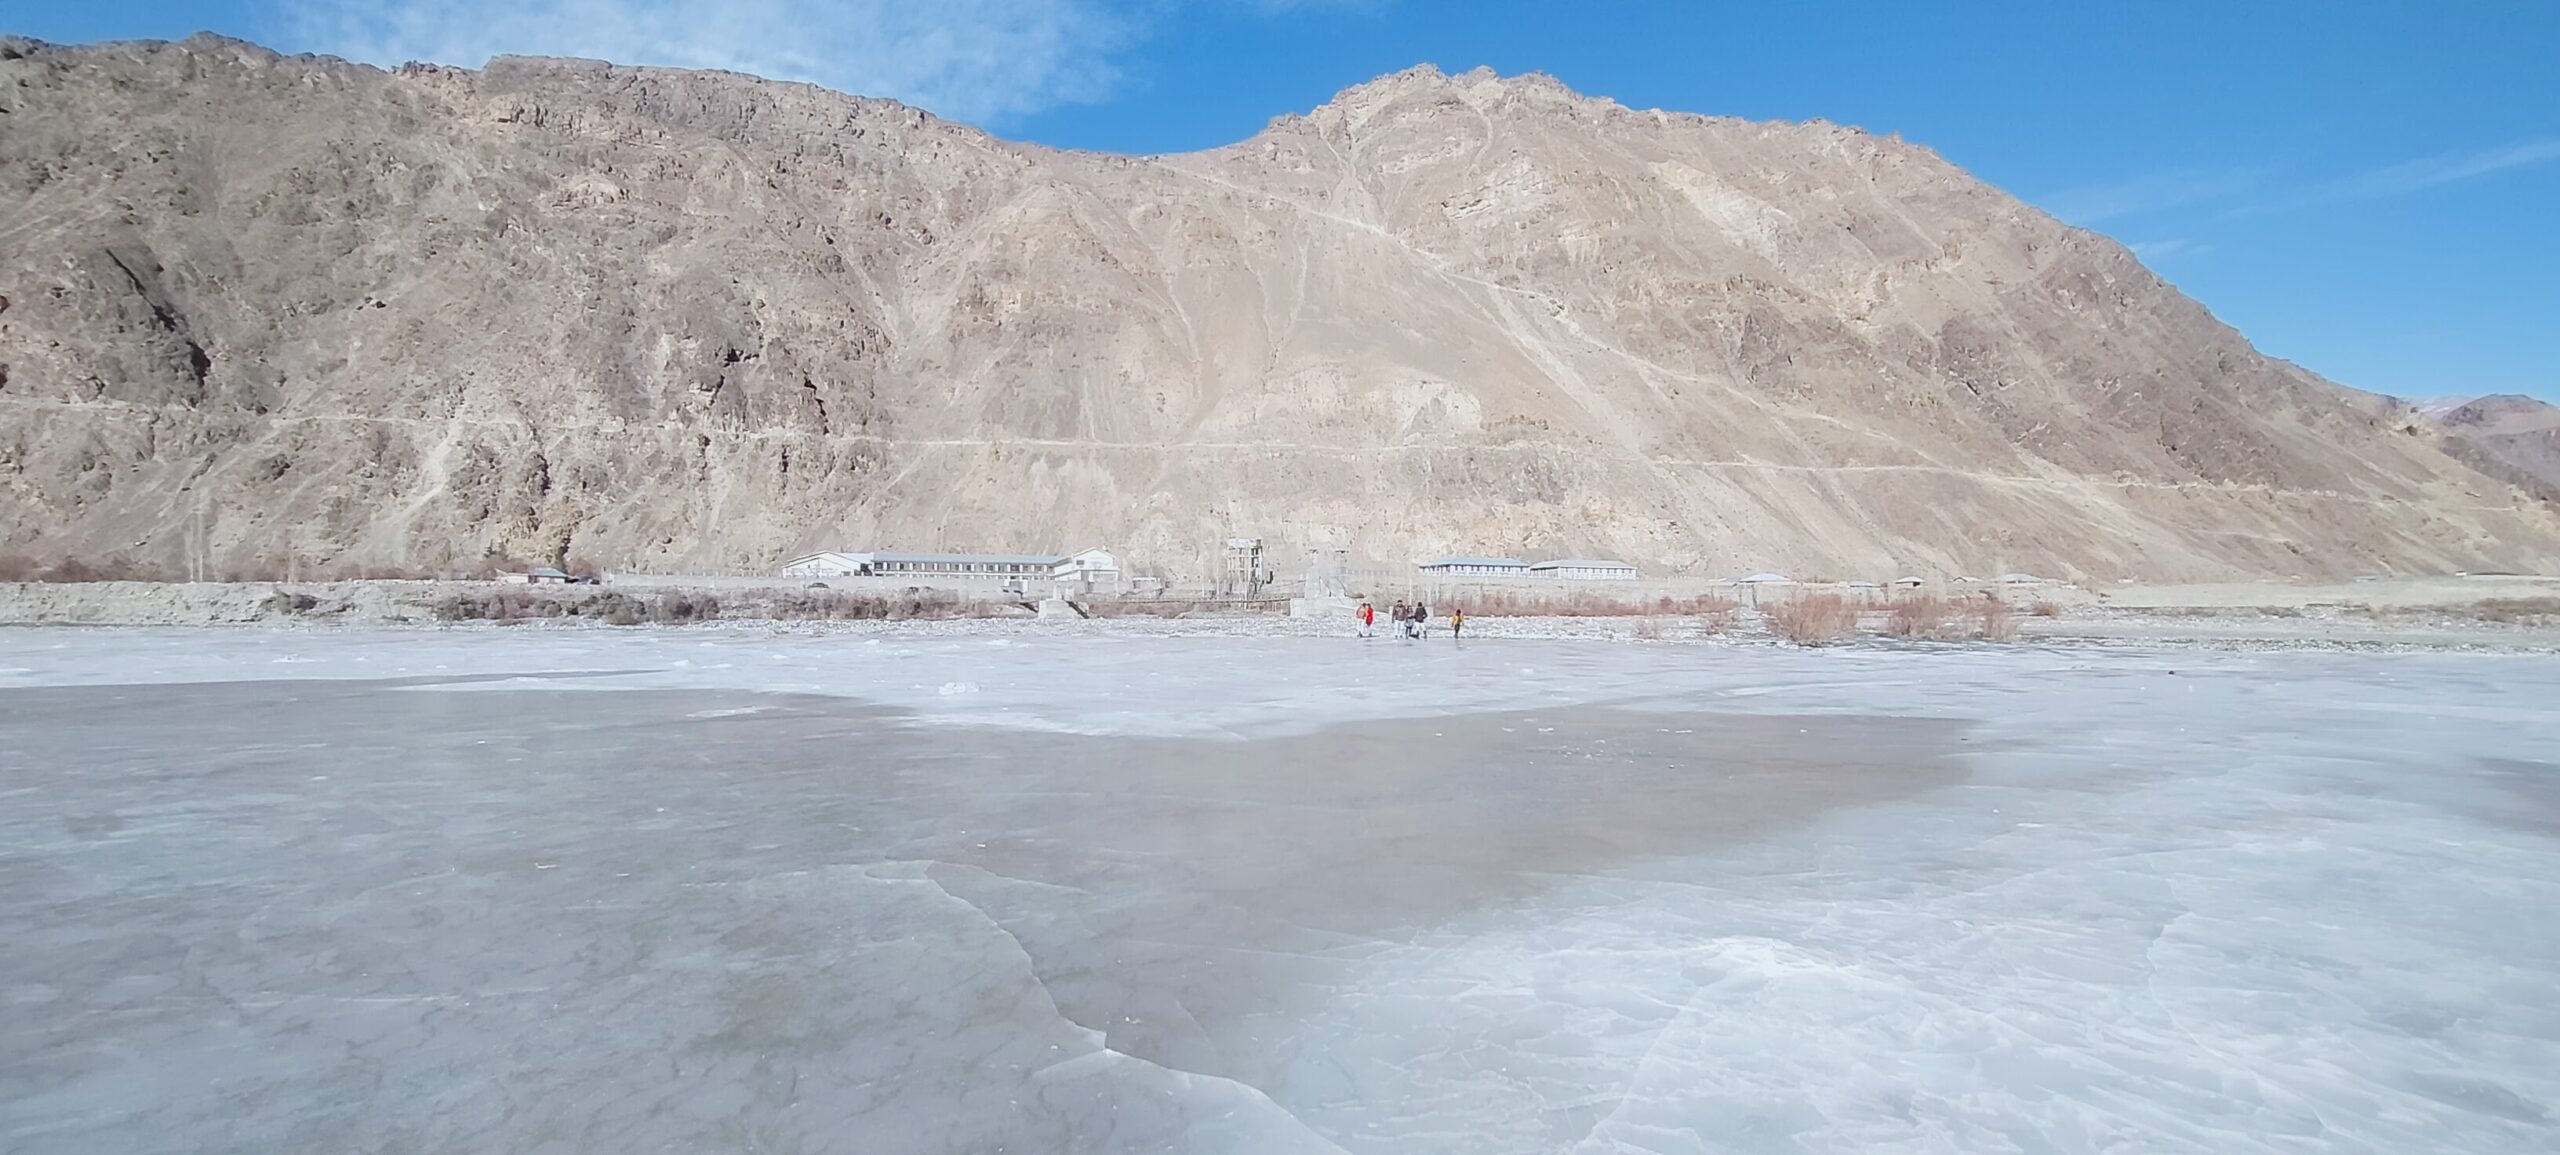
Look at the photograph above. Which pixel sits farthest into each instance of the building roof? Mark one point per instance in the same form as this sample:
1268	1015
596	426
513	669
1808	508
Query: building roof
977	558
1581	563
1494	562
545	571
1763	579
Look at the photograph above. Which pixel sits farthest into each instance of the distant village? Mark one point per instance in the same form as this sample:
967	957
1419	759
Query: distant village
1248	575
1098	570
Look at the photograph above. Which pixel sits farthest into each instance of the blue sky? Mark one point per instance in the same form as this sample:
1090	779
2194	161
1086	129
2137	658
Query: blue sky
2371	189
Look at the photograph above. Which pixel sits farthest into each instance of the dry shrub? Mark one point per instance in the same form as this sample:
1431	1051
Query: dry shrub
288	603
1812	620
1649	629
484	606
1993	622
1918	617
114	568
524	603
1146	608
2517	611
498	605
1193	607
354	571
2046	609
1717	611
821	604
1529	604
612	607
679	607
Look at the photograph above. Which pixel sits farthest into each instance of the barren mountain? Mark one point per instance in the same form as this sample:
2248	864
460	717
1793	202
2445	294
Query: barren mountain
262	308
2508	435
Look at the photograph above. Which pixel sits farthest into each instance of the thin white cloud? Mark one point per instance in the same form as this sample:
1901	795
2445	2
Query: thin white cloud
2155	192
2241	192
2447	168
2172	247
980	61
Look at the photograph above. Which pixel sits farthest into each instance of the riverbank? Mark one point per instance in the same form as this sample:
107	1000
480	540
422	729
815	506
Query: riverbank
2506	614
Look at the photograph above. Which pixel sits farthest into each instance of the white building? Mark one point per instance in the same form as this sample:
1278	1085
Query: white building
1087	570
966	566
538	575
1476	567
832	563
972	566
1584	569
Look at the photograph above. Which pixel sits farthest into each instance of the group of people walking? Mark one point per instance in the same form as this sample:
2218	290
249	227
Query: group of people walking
1411	619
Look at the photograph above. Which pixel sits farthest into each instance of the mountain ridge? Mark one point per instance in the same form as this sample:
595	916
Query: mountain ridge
682	319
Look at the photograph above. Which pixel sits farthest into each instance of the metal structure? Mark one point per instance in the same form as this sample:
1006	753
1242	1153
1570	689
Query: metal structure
1244	574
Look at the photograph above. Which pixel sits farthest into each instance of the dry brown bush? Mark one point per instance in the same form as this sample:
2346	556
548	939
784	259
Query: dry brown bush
852	606
2046	609
679	607
114	568
524	603
1649	629
1917	617
353	571
1190	607
287	602
1146	608
1717	611
498	605
1993	622
2517	611
1812	620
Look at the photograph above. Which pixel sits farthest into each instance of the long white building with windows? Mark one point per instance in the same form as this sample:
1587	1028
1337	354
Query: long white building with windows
1476	567
1584	569
1560	569
1088	569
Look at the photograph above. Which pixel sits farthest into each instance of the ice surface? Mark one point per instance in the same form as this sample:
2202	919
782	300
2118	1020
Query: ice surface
323	891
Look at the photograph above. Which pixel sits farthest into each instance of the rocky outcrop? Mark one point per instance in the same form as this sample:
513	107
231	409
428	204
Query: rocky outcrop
2508	435
266	310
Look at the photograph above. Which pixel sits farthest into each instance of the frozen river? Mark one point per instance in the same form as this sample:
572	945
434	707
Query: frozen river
739	890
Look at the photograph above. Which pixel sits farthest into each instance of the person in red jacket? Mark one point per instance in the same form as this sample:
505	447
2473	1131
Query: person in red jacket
1368	620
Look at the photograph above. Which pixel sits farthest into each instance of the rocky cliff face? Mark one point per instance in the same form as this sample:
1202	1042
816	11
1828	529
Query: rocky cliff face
262	308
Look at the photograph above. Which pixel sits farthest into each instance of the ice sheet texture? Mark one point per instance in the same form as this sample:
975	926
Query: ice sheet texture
2176	902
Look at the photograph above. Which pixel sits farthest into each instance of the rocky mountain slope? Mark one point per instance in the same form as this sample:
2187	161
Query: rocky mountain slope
2508	435
278	310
